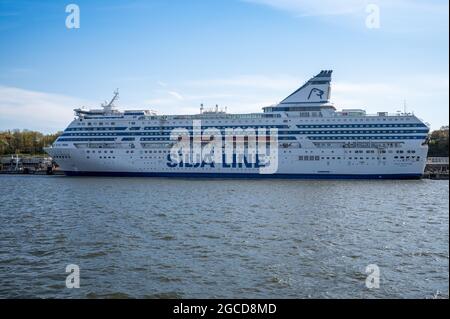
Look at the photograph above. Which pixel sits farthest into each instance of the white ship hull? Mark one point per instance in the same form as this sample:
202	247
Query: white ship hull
74	163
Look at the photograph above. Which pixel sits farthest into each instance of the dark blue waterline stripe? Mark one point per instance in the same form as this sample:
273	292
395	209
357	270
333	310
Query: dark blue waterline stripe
247	175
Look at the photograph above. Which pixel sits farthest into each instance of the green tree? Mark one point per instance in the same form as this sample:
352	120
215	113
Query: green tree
438	146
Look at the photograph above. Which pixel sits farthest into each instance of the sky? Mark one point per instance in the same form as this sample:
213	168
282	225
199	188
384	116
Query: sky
172	55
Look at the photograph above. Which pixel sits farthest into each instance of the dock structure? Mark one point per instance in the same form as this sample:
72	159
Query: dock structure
437	168
20	164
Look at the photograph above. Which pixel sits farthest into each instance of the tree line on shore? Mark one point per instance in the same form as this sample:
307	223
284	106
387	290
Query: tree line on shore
25	142
32	142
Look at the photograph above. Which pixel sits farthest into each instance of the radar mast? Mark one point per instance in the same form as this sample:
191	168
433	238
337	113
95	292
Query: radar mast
110	106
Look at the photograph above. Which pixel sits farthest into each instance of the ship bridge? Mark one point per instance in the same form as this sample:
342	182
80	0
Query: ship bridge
109	110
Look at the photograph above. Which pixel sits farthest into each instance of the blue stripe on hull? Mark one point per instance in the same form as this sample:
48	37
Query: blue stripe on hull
247	175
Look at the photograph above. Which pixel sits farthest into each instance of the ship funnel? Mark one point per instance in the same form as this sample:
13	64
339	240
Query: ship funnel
316	90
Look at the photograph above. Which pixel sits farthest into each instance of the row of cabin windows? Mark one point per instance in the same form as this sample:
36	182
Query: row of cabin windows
407	157
99	151
101	123
252	130
283	126
309	158
316	158
104	157
108	157
301	158
187	121
356	152
360	125
361	132
254	121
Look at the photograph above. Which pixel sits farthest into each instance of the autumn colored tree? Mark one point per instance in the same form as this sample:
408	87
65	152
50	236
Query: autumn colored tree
25	142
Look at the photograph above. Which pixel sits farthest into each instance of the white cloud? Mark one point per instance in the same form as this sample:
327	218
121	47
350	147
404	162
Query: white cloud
176	95
25	109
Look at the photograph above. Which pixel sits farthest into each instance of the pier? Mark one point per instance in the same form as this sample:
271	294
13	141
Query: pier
436	168
21	164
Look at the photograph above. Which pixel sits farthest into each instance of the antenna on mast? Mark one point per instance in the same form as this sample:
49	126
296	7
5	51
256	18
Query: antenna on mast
115	97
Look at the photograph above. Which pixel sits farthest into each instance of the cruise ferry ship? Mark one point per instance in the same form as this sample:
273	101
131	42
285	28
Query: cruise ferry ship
303	136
